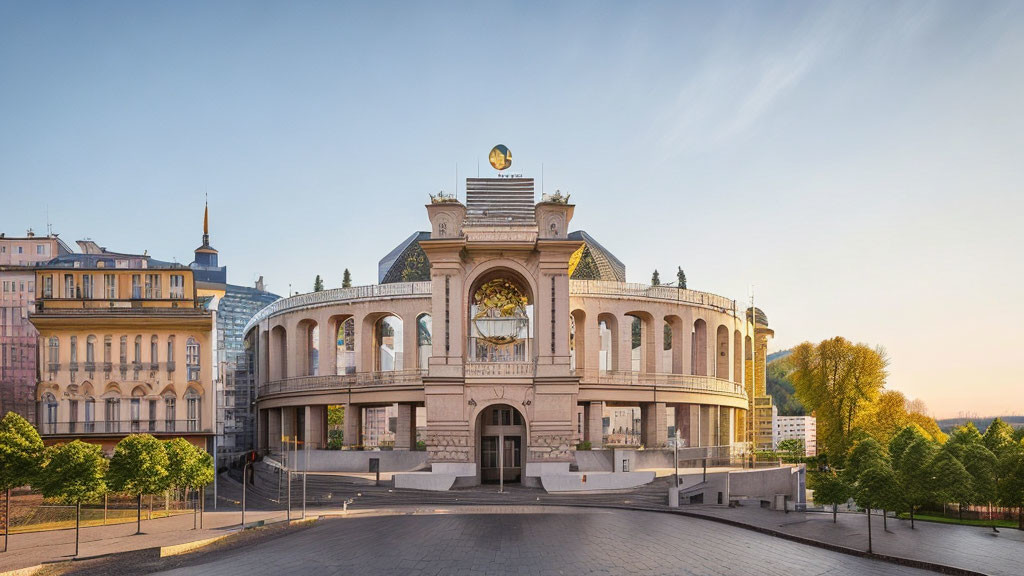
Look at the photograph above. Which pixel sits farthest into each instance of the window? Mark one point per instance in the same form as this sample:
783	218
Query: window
154	354
152	415
50	415
74	350
107	349
170	353
124	350
153	286
69	286
41	249
21	250
110	286
135	409
48	286
177	289
87	286
169	414
136	286
90	349
112	414
90	414
192	358
54	353
72	416
138	350
192	410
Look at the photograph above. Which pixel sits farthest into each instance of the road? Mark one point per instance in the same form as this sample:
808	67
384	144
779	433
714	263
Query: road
531	540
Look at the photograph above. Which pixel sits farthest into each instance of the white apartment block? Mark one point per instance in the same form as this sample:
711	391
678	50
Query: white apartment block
800	427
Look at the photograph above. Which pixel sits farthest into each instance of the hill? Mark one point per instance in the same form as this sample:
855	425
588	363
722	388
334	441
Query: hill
947	424
779	386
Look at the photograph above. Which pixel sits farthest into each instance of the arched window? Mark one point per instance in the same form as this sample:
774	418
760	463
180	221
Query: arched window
192	410
192	358
124	350
424	340
90	414
50	413
170	353
572	342
636	342
699	348
138	350
346	348
90	352
154	351
314	351
388	340
107	351
608	337
722	360
112	414
74	352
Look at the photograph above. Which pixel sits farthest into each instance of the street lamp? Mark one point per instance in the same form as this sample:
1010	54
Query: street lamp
676	446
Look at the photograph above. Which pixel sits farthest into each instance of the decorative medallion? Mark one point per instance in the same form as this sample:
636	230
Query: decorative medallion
500	157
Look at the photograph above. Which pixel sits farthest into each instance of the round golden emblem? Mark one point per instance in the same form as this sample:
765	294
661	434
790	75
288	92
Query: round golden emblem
500	157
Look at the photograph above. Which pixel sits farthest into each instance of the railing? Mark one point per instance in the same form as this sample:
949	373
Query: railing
609	288
170	366
338	295
484	369
102	427
342	381
684	381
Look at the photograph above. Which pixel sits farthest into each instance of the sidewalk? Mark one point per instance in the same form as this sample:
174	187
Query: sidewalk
34	548
966	547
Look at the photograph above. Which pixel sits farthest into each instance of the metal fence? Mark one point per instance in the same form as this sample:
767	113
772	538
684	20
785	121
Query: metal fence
31	512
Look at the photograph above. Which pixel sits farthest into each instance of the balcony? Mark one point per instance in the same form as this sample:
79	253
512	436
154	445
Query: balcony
90	367
104	428
509	369
53	367
688	382
342	381
170	366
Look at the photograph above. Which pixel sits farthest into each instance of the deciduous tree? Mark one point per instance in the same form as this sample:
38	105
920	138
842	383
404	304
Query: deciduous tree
73	473
829	490
139	466
21	452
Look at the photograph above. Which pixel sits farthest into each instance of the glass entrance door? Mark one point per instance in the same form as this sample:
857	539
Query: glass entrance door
510	455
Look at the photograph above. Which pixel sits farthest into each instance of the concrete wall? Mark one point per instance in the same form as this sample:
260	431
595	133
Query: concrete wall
765	484
359	461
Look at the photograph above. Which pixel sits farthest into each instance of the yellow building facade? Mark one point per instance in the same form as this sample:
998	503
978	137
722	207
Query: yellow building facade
124	347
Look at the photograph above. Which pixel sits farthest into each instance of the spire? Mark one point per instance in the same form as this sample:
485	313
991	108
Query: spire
206	224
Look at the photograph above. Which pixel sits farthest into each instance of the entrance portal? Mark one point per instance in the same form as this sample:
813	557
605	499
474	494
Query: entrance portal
502	430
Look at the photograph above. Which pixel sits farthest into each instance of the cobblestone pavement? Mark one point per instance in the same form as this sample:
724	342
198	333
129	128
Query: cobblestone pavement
532	540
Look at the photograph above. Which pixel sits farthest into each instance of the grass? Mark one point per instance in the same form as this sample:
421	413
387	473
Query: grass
965	521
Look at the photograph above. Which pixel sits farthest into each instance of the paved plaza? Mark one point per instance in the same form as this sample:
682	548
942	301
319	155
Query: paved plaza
532	541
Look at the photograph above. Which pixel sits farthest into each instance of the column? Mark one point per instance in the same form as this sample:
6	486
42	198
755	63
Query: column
405	429
316	427
708	419
653	424
353	422
593	424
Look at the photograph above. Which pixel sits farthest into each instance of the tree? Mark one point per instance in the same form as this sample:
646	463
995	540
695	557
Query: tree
912	464
875	488
681	278
21	452
346	279
655	278
952	482
983	466
829	490
791	446
318	284
139	466
73	473
1012	491
865	454
888	416
837	380
961	438
335	427
998	436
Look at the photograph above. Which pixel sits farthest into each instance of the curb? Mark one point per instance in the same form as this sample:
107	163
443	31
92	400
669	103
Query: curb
23	571
187	547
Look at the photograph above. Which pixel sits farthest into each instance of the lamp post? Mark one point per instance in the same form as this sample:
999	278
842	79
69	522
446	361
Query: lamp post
245	476
676	450
501	463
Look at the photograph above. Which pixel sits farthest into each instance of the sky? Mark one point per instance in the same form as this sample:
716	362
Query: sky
858	163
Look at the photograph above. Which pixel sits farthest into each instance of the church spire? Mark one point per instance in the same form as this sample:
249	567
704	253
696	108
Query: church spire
206	224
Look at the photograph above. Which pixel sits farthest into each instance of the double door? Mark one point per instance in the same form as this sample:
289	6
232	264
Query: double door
497	452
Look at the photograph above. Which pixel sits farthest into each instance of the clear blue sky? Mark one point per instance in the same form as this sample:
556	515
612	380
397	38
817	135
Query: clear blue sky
861	163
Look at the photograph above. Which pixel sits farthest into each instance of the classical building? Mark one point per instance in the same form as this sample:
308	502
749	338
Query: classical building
123	348
18	258
513	337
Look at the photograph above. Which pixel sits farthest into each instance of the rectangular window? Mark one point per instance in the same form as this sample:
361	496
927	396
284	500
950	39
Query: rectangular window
90	414
177	289
113	415
48	286
136	416
69	286
136	286
87	286
110	286
74	349
169	414
149	285
152	415
41	249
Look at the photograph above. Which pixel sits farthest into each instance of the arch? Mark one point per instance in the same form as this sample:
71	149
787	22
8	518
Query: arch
278	353
71	390
388	343
737	356
499	268
344	329
138	392
673	354
86	389
643	342
608	333
500	430
501	317
112	389
307	359
699	348
722	352
578	339
424	340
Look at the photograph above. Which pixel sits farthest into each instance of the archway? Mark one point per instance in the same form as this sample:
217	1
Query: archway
501	439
